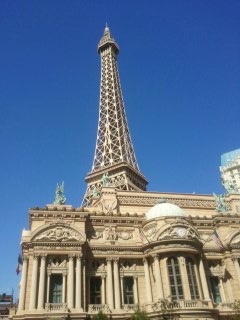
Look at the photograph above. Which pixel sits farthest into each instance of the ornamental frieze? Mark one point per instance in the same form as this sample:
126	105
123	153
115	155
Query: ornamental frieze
149	201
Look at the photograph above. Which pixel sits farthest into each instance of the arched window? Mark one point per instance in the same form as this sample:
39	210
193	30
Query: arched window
192	279
175	280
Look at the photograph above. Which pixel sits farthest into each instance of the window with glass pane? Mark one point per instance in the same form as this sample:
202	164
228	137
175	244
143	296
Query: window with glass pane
215	289
55	288
175	280
128	290
95	290
192	279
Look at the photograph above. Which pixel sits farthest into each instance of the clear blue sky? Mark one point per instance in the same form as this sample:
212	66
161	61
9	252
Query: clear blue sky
180	73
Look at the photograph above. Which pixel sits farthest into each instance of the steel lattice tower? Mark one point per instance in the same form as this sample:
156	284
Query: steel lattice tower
114	151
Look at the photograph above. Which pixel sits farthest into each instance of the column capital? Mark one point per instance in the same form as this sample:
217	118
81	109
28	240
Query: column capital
145	261
71	256
79	257
103	276
25	258
43	256
108	259
35	256
155	257
115	260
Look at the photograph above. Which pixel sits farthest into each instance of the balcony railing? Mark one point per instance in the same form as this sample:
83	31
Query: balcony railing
130	307
180	304
95	308
56	307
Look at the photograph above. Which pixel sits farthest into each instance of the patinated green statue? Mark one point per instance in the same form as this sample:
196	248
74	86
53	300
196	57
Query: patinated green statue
105	180
60	199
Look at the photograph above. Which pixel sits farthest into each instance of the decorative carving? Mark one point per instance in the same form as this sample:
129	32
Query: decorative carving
108	206
110	233
128	266
178	232
95	234
125	235
60	234
217	271
57	263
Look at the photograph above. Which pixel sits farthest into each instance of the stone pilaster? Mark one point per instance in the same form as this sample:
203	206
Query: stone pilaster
147	280
109	284
78	303
116	284
103	290
158	277
70	295
64	288
135	289
184	276
203	281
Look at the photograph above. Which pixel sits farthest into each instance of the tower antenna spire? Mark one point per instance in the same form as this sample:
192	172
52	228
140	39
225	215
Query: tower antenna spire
114	152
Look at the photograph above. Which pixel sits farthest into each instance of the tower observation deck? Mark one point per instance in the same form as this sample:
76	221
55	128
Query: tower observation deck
114	152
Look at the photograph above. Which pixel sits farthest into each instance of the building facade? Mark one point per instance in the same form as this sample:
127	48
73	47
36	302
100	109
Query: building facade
230	171
174	255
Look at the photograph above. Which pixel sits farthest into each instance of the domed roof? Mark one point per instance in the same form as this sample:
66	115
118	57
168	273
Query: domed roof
164	210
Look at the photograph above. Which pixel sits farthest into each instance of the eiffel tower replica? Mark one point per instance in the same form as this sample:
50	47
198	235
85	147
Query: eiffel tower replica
114	156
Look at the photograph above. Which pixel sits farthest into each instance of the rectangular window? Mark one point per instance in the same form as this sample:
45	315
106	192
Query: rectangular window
128	290
95	290
192	279
215	290
175	279
55	288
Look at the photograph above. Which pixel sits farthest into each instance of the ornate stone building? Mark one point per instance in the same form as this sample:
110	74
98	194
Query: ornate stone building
166	253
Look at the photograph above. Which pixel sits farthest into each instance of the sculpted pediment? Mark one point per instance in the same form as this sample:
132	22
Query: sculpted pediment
174	231
59	233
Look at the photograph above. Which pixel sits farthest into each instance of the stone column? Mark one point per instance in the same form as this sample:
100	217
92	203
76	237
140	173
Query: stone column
122	296
198	278
158	277
109	283
64	288
135	290
78	304
116	284
41	289
236	264
23	284
147	280
70	281
84	285
203	281
103	290
48	285
33	291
